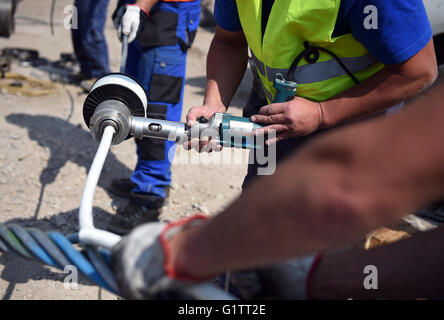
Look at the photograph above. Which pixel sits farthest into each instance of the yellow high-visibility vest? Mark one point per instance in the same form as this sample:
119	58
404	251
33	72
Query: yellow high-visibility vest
291	23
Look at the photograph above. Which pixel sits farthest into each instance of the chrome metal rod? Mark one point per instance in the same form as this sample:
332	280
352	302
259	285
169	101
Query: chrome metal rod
159	129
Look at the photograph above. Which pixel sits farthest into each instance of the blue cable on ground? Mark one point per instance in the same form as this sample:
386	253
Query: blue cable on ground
3	246
49	247
54	249
32	245
9	238
78	259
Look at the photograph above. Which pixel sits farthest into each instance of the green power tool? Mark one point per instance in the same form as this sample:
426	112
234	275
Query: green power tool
228	131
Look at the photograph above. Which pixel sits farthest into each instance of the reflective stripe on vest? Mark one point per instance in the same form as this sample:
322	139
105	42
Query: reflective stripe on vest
319	71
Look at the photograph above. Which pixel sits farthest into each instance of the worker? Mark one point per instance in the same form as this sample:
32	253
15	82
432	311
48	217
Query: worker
354	59
328	194
89	42
160	33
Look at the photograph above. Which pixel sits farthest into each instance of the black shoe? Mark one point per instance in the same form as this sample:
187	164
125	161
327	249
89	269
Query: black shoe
132	216
123	188
76	78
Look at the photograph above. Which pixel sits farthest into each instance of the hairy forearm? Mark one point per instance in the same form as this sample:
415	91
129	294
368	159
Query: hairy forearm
386	88
226	64
408	269
331	193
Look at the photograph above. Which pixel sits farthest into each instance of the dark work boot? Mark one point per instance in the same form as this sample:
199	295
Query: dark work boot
123	188
132	216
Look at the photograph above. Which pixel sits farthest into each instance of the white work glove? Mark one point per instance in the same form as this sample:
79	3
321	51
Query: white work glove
289	280
141	266
131	22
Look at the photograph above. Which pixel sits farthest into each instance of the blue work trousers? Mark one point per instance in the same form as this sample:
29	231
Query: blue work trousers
88	39
157	59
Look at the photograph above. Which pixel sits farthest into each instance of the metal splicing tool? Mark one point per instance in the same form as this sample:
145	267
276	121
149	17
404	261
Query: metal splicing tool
119	101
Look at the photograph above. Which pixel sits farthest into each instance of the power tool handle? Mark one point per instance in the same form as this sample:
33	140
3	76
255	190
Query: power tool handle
285	89
282	96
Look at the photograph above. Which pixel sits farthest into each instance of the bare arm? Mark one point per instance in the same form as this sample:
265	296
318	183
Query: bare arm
146	5
332	192
226	64
388	87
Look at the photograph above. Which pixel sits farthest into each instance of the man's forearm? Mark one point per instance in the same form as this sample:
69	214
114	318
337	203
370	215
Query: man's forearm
331	193
408	269
226	64
146	5
386	88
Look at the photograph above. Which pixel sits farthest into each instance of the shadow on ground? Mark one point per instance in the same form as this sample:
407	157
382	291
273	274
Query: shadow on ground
61	70
66	142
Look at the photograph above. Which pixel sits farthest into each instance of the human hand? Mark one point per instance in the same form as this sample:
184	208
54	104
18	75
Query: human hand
129	22
297	117
207	110
142	261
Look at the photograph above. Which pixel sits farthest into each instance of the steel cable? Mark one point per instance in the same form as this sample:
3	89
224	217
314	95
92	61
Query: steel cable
54	249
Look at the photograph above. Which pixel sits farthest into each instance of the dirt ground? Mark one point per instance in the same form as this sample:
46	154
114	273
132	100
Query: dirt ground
47	151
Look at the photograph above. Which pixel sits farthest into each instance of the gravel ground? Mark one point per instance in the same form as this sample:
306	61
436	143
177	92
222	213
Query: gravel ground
47	151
